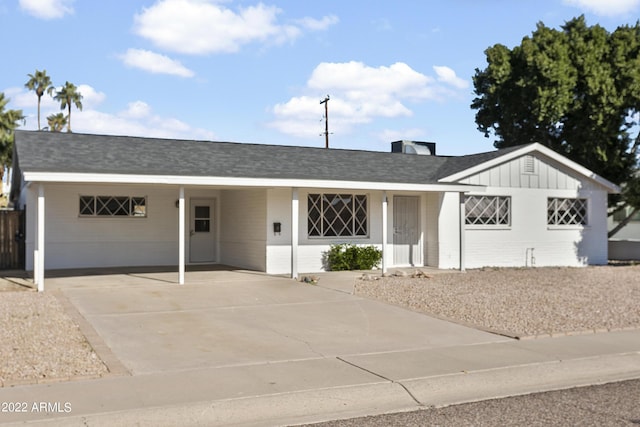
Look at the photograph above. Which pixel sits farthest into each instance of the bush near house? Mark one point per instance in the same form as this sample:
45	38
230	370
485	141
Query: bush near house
352	257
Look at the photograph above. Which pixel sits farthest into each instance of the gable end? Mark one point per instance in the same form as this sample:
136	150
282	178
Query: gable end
528	171
530	166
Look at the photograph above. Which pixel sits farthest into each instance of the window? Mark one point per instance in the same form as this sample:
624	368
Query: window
343	215
116	206
487	210
566	211
202	219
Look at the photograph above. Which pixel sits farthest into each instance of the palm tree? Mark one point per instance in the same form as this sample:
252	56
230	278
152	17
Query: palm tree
67	95
40	83
57	122
9	120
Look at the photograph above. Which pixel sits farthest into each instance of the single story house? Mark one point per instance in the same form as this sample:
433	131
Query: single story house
107	201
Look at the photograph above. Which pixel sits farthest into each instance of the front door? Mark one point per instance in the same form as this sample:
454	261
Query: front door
406	231
202	230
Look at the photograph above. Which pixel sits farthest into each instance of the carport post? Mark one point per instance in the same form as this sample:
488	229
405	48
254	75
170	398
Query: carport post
384	231
181	225
38	273
294	232
463	214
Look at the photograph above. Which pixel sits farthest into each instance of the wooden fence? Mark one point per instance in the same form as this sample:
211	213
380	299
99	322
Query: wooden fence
11	240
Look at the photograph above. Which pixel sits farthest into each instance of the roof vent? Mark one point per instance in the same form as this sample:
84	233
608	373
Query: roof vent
414	147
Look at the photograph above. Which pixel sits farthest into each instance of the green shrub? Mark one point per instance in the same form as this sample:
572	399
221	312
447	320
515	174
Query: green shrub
352	257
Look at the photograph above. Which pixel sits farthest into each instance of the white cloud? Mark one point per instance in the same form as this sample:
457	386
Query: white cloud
202	27
20	98
318	24
155	63
361	82
138	110
47	9
605	7
448	76
359	94
91	98
137	119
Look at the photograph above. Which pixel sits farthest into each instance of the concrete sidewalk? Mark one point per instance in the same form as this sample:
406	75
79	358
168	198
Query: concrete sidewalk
318	389
291	354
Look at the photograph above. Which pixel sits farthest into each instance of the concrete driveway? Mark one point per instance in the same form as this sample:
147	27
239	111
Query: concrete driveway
235	348
230	318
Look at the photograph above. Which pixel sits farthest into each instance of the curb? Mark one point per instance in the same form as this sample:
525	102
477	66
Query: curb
376	398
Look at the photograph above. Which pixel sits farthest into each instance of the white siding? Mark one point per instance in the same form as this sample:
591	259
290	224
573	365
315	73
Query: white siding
528	239
279	245
432	209
547	175
449	230
73	242
311	250
243	216
529	235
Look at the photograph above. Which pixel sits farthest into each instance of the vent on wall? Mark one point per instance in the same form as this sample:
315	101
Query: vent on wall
529	164
414	147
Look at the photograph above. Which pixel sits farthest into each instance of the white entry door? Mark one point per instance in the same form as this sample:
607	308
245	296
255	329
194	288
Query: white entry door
406	231
202	230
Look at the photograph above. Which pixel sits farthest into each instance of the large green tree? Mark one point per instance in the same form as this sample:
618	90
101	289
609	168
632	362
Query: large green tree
576	90
67	95
9	121
40	82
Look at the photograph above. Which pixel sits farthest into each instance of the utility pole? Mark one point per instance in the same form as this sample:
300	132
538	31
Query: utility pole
326	120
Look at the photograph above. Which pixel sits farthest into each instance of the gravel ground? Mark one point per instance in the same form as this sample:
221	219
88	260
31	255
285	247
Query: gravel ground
606	405
39	341
521	301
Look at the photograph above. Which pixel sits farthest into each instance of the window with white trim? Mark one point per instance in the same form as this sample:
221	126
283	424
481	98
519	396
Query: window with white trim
343	215
113	206
563	211
487	210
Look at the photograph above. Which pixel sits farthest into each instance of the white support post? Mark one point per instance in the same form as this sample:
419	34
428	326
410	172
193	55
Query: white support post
181	236
295	209
36	261
384	232
39	273
462	233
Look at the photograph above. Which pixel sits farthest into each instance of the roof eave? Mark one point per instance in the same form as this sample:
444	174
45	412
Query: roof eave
95	178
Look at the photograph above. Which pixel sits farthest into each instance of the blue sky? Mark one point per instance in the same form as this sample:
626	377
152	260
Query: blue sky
251	71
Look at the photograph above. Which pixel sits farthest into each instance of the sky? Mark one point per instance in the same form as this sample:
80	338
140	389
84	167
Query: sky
255	71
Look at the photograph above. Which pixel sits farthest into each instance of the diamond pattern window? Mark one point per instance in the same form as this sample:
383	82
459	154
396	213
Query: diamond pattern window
113	206
337	215
487	210
562	211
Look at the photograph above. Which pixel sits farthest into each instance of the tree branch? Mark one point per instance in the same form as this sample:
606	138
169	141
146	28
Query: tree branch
622	223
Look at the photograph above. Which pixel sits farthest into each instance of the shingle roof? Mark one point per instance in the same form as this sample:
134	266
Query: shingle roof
103	154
